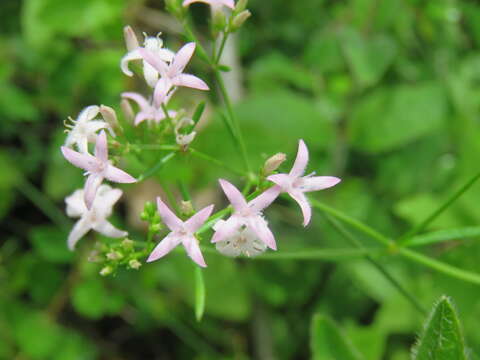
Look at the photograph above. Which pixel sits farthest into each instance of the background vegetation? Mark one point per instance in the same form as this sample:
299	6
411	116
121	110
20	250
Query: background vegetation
386	94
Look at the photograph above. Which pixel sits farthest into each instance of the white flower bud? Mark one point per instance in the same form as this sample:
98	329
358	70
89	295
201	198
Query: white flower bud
134	264
127	109
131	40
273	163
240	19
109	116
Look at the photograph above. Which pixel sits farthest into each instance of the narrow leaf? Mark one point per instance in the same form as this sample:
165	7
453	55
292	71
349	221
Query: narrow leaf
328	343
442	337
199	294
443	235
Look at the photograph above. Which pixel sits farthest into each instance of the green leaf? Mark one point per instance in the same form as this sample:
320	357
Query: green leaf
389	118
199	294
442	338
443	235
51	244
328	343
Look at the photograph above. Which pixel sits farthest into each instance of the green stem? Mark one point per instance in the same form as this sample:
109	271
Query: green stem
415	230
216	59
318	254
156	167
157	147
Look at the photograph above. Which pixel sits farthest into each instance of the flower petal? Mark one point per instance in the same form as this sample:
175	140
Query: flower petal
160	94
78	231
193	250
301	160
198	219
181	59
315	183
139	99
168	217
107	198
282	180
101	147
260	227
115	174
91	187
226	229
76	204
302	200
107	229
190	81
264	200
234	196
228	3
141	117
83	161
150	74
88	114
130	56
93	126
150	57
164	247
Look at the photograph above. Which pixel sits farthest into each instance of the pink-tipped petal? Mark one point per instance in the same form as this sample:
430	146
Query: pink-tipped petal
181	59
164	247
91	187
261	229
316	183
79	230
301	160
83	161
302	201
226	229
282	180
152	59
139	99
264	200
107	229
234	196
168	217
190	81
114	174
198	219
193	250
101	147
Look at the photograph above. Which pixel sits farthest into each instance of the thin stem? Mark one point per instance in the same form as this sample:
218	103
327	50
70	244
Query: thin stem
216	60
415	230
157	147
352	240
156	167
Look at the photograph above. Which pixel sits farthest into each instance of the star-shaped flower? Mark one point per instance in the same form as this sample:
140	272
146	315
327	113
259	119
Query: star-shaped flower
152	44
172	74
97	167
295	184
215	4
242	242
246	215
147	111
96	217
84	129
182	232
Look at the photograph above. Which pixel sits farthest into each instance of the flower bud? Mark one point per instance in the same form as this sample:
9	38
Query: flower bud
186	207
149	208
155	227
114	255
107	270
131	40
240	6
109	116
127	109
127	244
219	21
273	163
239	19
134	264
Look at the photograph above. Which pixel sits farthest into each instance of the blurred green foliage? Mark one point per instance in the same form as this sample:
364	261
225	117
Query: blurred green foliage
386	94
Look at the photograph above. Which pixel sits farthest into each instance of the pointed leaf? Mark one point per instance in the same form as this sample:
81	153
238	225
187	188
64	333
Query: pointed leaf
199	294
444	235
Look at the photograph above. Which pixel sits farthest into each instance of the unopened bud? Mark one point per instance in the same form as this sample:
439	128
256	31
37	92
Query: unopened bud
240	6
219	21
273	163
155	227
127	110
186	207
134	264
131	40
114	255
239	19
109	116
107	270
127	244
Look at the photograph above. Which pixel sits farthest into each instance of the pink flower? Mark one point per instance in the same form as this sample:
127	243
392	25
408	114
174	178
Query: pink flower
147	110
247	216
215	4
94	218
172	74
296	185
181	232
97	167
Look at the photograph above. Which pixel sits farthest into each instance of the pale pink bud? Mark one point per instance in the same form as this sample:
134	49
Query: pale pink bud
127	109
273	163
109	116
131	40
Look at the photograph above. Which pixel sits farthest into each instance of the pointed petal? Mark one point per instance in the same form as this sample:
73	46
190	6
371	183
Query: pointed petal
160	93
302	200
190	81
301	160
168	217
93	126
165	54
101	147
115	174
260	227
82	145
282	180
150	74
181	59
198	219
315	183
132	55
131	40
193	250
234	196
139	99
141	117
164	247
107	199
76	204
150	57
91	187
79	230
83	161
226	229
264	200
88	114
107	229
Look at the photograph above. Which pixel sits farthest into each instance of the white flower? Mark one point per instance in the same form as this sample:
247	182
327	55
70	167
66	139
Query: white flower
96	217
84	129
243	242
182	138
